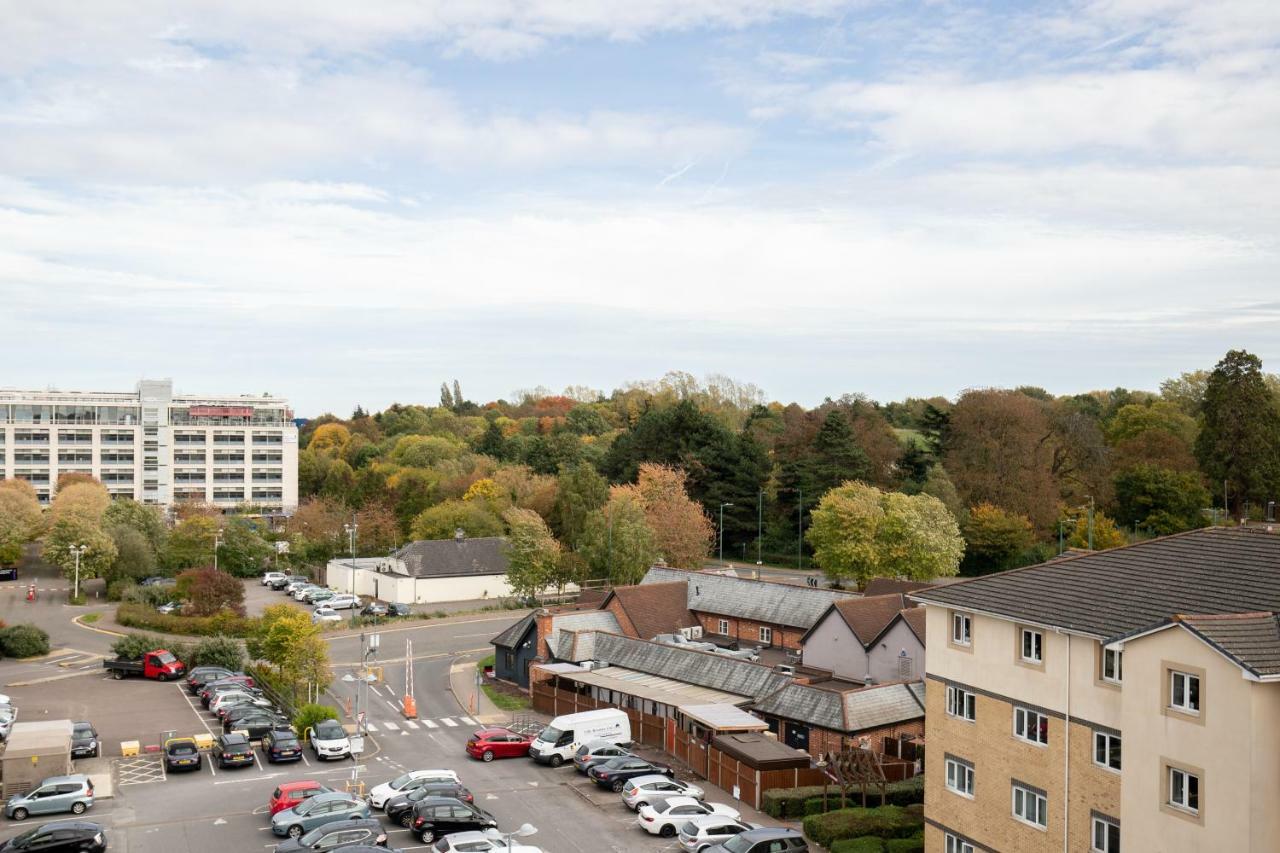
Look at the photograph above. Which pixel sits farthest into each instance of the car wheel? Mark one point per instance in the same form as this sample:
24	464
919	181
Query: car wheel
406	819
295	831
618	785
427	836
667	831
487	755
77	808
639	806
117	674
19	814
556	761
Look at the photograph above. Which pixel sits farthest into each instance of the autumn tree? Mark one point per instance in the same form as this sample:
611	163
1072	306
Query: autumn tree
1239	440
475	518
20	519
533	554
682	531
76	519
1105	533
616	542
316	529
191	543
286	638
859	532
995	537
87	501
207	591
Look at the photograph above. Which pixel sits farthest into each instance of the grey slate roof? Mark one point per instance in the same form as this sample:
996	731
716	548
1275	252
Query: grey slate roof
761	601
847	711
1252	640
1112	594
511	637
445	558
585	620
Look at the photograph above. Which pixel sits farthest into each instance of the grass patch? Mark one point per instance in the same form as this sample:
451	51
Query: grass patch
90	618
505	701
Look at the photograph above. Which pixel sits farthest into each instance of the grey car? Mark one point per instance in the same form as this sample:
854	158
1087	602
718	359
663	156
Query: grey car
764	840
597	752
56	794
340	833
317	811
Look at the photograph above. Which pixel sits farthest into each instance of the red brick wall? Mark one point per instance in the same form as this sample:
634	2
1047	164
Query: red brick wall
747	631
543	621
825	740
624	621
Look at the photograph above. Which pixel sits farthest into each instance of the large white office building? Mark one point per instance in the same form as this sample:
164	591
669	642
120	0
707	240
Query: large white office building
155	446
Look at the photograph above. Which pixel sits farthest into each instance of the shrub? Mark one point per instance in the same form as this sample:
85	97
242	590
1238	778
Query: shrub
865	844
217	651
914	844
210	592
152	596
784	803
24	641
224	624
309	715
885	822
134	646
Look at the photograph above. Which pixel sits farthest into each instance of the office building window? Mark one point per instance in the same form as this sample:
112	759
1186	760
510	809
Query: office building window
1031	726
1106	750
1184	692
959	776
961	703
1184	790
1030	805
1105	835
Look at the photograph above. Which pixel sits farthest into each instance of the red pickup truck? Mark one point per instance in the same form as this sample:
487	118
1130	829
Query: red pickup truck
159	664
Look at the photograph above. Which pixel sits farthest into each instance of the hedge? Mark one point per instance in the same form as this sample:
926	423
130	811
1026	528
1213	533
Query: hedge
865	844
885	822
914	844
785	803
220	624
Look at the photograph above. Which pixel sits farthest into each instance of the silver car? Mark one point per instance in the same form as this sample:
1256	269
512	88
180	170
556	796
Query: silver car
702	831
8	714
643	790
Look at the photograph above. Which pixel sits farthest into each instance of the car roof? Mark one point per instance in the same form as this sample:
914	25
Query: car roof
335	795
764	832
299	785
704	820
681	800
234	737
494	730
652	777
351	823
436	801
53	780
86	825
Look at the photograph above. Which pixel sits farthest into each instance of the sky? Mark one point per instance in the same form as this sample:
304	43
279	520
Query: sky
349	203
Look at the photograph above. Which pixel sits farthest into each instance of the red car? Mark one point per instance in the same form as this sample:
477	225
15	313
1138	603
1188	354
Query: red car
488	744
289	794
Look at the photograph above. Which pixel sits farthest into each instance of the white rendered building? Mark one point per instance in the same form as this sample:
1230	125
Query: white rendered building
154	446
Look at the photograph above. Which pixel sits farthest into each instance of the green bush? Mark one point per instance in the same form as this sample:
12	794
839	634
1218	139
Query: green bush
784	803
884	822
23	641
914	844
134	646
218	651
309	715
224	624
152	596
865	844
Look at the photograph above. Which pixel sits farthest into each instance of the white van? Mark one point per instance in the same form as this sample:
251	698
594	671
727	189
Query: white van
559	741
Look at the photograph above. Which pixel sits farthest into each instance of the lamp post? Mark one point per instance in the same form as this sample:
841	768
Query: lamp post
78	552
368	647
524	831
759	527
351	540
217	540
722	506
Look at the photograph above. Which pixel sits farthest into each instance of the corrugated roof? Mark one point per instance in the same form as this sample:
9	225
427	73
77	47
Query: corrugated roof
1252	640
848	711
761	601
655	688
442	558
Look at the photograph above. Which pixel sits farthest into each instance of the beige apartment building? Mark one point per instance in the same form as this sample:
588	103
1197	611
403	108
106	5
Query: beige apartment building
1119	700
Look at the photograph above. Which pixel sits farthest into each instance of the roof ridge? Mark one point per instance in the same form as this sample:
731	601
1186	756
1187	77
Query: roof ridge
1204	617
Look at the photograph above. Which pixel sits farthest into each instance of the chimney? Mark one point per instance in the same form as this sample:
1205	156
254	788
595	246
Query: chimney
459	534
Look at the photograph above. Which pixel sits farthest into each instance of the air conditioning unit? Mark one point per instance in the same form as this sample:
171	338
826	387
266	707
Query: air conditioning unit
588	665
691	633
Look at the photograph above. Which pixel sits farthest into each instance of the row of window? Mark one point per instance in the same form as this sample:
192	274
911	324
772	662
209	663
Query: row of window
1031	726
766	633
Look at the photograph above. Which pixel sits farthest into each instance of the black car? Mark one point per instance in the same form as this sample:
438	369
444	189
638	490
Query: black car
202	675
257	725
399	809
237	710
84	741
399	610
59	836
9	573
374	608
340	833
233	750
437	816
615	772
281	583
182	754
280	746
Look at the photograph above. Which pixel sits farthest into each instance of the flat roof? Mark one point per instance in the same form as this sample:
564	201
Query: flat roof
655	688
760	751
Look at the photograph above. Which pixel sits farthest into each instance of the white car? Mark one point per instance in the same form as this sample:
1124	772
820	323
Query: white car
343	601
301	592
324	613
329	740
655	788
379	795
268	577
480	842
232	697
8	714
667	816
703	831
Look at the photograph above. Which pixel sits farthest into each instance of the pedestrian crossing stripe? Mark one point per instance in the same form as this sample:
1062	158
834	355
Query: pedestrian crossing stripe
431	724
370	727
392	726
411	724
448	722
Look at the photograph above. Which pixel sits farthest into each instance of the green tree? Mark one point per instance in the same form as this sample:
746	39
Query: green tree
938	484
994	538
475	518
20	519
191	542
23	641
859	532
243	550
218	651
533	554
208	591
1160	500
581	492
287	640
1130	422
617	542
1239	440
143	518
135	558
100	551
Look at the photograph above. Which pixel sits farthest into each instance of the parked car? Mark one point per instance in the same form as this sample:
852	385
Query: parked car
229	682
323	614
559	741
169	607
289	581
156	580
771	839
280	746
233	750
479	842
8	716
198	677
257	725
59	836
301	592
665	817
159	664
437	816
289	794
268	578
597	752
241	708
236	697
702	831
651	789
84	741
379	794
181	753
615	772
317	811
8	573
489	743
343	601
329	740
318	595
399	610
374	608
399	809
56	794
339	834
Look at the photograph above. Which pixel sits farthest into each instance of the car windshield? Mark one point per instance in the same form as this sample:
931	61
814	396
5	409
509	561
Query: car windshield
314	835
284	740
402	780
330	730
82	733
738	844
21	840
182	749
690	828
550	734
165	657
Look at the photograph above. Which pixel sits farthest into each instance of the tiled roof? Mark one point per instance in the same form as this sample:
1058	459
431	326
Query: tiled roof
1123	591
915	619
511	637
1252	640
867	617
583	620
443	558
655	608
848	710
888	586
761	601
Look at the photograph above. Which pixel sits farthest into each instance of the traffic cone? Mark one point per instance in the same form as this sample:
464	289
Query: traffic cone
410	708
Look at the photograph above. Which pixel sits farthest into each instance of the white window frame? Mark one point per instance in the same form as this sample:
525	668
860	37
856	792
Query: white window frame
959	777
766	634
1185	803
962	704
957	845
722	626
1027	728
962	629
1039	804
1111	747
1104	824
1036	653
1117	656
1186	707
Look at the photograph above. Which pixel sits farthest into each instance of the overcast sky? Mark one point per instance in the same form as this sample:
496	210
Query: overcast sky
350	202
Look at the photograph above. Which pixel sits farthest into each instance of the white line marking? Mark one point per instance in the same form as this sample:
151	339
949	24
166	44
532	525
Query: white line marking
392	726
370	726
448	722
393	707
411	724
431	724
469	721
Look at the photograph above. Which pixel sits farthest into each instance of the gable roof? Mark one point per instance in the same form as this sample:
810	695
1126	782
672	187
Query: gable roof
445	558
867	618
915	619
852	710
1113	594
1250	640
654	608
514	635
582	620
888	586
769	602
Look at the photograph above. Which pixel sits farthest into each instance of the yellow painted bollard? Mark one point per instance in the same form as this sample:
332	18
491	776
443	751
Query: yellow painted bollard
204	741
130	748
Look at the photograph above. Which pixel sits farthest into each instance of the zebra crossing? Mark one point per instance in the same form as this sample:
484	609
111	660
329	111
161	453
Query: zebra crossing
405	726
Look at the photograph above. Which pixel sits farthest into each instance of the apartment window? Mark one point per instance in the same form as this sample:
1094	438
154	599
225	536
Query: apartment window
1184	790
722	627
268	438
961	703
75	457
959	845
766	635
1031	726
1112	665
959	776
1105	834
1106	750
1032	646
962	629
1030	805
1184	692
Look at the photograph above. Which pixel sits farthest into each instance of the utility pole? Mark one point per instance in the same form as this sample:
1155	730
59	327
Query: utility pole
78	552
722	506
759	527
351	540
217	541
800	530
1090	522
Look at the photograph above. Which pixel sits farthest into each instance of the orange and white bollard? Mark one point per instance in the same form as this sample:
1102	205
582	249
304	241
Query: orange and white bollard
31	592
410	708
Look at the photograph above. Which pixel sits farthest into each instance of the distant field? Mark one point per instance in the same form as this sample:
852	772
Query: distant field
909	437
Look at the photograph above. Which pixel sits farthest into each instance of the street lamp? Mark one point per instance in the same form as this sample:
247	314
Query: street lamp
78	552
524	831
351	540
722	506
217	541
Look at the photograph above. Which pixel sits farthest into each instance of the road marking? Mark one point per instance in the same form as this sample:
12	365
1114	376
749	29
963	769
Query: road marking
411	724
431	724
469	721
248	779
448	722
392	726
393	707
370	726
